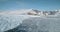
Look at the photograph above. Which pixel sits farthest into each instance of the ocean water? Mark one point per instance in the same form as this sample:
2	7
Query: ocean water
29	24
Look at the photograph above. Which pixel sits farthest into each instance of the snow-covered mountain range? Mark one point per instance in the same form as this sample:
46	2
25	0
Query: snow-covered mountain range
30	12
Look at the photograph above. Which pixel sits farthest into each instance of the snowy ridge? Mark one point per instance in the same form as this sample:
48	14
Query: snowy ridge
31	12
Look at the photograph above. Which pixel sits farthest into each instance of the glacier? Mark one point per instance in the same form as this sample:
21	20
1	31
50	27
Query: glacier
10	21
21	21
27	23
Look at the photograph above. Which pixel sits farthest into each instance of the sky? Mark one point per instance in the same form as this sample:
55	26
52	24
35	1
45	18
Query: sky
29	4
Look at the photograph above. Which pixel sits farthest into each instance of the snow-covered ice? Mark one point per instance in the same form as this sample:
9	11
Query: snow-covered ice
29	23
10	21
21	22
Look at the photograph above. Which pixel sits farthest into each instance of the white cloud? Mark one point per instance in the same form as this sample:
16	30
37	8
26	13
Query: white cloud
17	12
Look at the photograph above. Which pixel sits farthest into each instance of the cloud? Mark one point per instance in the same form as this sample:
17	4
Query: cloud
16	12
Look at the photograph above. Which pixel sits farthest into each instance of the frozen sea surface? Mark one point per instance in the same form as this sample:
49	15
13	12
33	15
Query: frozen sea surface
29	24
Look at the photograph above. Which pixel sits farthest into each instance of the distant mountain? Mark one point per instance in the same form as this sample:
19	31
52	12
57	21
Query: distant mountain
30	12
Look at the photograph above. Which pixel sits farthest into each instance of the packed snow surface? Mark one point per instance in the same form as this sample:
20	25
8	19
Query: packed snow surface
10	21
32	23
19	21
